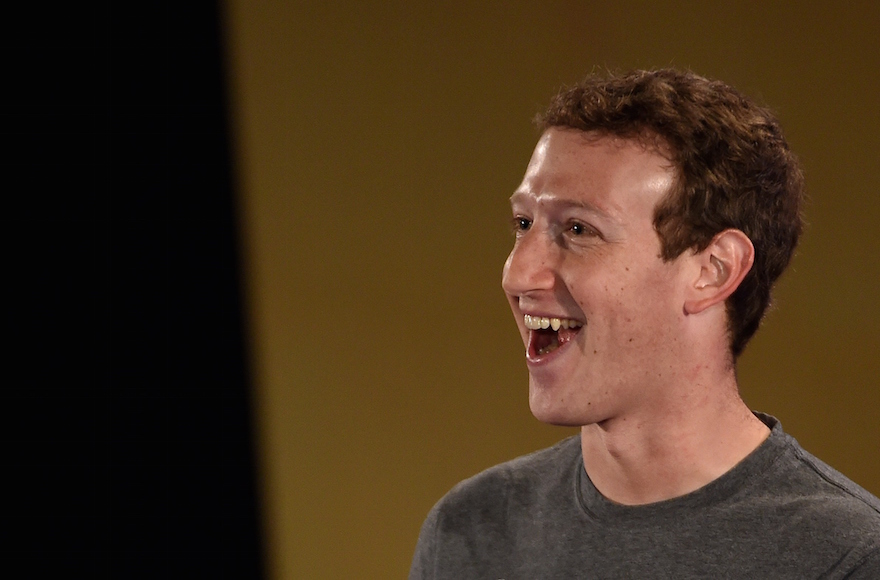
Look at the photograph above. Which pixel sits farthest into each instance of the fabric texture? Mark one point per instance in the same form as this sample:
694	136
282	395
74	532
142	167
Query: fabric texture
780	513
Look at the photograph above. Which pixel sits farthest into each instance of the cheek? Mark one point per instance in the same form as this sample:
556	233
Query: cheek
652	311
633	310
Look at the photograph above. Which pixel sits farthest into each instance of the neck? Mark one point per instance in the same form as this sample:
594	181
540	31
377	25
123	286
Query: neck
673	446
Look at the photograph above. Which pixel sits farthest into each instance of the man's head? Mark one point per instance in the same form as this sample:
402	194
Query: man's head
604	318
733	169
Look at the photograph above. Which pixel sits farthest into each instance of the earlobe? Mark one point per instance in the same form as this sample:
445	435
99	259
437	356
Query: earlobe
722	267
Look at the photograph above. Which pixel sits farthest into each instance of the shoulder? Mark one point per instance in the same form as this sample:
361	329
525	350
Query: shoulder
830	494
803	473
814	506
516	480
478	521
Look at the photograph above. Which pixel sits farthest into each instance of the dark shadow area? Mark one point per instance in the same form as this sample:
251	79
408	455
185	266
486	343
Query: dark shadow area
55	125
183	500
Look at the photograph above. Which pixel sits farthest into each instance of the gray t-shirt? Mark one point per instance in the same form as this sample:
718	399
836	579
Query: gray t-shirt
780	513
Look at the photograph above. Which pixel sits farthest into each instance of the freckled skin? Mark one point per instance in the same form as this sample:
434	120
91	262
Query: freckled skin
614	279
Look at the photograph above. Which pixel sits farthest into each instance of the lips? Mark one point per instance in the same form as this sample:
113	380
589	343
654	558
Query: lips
548	334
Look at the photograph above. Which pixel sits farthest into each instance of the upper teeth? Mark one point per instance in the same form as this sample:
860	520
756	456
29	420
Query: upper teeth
541	322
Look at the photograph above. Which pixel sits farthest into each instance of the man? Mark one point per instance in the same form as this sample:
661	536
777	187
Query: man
654	216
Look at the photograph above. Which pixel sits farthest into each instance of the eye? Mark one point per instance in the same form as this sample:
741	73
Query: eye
579	229
520	224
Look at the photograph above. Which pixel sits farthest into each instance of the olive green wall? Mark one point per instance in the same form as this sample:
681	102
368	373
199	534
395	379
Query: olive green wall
377	146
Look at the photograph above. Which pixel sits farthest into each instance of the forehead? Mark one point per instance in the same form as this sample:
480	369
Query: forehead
606	174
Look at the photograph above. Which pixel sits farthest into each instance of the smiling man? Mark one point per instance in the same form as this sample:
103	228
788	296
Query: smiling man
656	213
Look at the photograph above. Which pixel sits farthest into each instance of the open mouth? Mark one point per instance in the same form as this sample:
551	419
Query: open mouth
548	334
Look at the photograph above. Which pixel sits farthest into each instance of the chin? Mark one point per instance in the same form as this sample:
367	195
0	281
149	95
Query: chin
549	404
554	413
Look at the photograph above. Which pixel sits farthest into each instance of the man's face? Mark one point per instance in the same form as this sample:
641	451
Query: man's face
587	258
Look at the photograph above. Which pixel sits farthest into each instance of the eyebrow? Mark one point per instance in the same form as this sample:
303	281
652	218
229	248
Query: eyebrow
564	204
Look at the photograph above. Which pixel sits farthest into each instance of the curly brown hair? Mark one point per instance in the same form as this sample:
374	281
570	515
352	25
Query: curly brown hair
734	169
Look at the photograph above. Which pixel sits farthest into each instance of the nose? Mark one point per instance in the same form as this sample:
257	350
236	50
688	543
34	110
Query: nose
530	267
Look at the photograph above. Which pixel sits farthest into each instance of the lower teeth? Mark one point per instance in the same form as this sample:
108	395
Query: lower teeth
549	348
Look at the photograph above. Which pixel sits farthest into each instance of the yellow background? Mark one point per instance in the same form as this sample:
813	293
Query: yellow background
377	145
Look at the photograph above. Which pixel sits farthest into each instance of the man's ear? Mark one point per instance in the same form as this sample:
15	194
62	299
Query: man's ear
722	267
